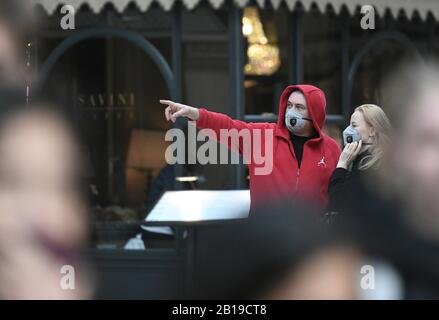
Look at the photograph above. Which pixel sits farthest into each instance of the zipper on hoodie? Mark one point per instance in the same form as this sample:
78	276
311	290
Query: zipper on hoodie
297	179
298	167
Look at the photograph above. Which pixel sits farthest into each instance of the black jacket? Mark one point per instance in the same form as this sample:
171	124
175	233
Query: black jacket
345	185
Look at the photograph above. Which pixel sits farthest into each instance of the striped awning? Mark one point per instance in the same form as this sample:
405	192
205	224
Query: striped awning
422	7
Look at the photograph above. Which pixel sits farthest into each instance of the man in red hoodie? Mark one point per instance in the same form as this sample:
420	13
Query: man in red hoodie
303	155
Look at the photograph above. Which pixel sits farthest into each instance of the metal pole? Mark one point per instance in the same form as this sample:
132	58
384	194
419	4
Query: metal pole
236	58
110	119
176	92
345	86
296	71
176	51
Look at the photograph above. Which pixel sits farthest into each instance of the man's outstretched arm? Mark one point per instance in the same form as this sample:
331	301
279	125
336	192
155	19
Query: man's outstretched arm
208	120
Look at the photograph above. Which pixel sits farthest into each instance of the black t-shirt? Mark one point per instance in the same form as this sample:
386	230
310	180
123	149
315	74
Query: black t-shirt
298	143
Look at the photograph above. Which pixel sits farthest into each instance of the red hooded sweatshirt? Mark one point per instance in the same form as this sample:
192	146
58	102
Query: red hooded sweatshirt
286	180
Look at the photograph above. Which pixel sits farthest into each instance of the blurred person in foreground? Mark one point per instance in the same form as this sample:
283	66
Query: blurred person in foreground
398	219
366	139
16	21
287	254
411	173
42	212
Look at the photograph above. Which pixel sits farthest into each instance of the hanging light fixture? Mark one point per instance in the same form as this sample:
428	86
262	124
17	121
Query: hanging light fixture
263	57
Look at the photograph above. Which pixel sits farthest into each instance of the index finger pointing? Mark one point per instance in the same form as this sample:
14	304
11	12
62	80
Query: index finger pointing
168	102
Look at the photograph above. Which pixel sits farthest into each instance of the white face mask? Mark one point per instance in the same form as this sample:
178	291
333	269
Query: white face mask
350	134
294	121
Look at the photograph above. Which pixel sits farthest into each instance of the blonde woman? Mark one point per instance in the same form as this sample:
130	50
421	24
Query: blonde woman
365	139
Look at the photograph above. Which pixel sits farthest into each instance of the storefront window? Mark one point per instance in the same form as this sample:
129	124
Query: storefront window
121	128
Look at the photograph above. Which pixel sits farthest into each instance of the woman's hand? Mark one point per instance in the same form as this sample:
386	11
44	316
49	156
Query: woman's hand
175	110
350	152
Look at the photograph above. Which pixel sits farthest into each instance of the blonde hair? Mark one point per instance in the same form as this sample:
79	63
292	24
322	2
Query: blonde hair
377	119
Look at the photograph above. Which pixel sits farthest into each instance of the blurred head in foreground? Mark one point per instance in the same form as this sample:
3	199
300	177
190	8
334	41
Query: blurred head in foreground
279	253
15	24
411	172
42	214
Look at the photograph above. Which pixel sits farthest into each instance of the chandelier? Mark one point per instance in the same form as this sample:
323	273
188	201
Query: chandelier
263	57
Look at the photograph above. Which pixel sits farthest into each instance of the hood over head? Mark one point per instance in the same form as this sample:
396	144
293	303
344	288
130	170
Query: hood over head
316	103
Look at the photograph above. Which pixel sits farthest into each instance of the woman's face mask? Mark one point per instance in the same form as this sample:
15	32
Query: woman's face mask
294	121
350	135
